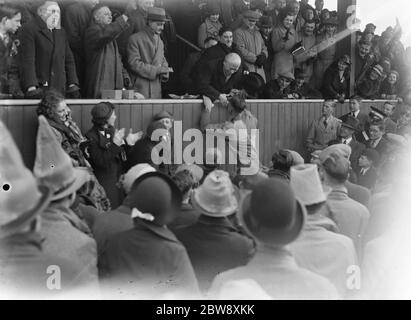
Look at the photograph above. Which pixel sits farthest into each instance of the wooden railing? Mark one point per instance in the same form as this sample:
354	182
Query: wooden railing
282	123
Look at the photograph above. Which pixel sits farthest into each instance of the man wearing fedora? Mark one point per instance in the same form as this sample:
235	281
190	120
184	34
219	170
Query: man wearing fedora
275	217
66	235
215	243
348	127
146	61
251	44
350	216
320	248
23	262
148	261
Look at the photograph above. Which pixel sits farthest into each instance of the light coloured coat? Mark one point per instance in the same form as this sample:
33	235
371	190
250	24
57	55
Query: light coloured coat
145	52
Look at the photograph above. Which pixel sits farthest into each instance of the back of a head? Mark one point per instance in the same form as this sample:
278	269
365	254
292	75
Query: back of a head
282	160
233	59
184	180
156	194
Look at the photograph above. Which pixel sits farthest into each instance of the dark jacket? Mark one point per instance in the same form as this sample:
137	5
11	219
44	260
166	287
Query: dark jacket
76	19
187	73
107	160
187	217
140	152
356	149
150	260
104	67
46	57
382	147
368	89
211	80
272	91
9	72
215	245
364	122
332	85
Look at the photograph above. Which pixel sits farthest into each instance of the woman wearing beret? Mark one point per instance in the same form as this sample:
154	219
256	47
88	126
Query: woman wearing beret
107	154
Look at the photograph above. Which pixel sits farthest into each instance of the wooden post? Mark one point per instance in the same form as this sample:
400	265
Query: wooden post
348	22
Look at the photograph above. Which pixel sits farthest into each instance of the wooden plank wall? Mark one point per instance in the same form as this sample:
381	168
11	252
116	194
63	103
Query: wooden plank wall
283	124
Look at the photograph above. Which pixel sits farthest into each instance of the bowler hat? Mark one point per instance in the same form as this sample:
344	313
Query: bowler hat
272	213
216	197
21	200
306	184
251	15
53	167
156	14
102	111
351	122
154	195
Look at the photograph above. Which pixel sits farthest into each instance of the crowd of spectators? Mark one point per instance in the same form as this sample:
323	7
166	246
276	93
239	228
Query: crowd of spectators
288	50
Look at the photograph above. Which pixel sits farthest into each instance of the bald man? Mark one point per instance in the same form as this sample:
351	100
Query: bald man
217	78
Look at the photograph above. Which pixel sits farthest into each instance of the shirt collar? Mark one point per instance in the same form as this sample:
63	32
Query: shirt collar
162	232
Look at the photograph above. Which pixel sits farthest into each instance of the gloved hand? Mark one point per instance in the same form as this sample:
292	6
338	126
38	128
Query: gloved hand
34	94
73	92
261	60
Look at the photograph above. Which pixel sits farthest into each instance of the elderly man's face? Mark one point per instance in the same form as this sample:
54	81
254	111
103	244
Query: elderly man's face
227	38
50	14
364	49
230	68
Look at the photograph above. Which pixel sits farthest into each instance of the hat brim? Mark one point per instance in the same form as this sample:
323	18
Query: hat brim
280	237
205	210
80	177
349	126
15	225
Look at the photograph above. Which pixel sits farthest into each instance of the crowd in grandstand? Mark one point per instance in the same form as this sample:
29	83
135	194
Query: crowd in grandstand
97	217
288	50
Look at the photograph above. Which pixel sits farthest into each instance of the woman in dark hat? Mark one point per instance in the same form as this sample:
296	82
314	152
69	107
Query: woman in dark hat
106	150
337	79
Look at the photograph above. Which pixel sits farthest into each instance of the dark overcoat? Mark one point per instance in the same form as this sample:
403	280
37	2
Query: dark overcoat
46	57
104	67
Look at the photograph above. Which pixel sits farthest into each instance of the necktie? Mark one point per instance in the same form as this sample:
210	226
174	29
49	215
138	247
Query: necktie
325	123
353	114
345	142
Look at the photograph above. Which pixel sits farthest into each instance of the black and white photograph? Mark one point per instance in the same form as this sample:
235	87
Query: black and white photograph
205	155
